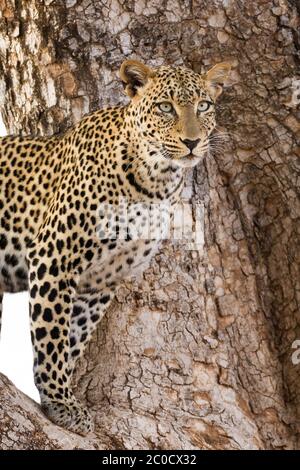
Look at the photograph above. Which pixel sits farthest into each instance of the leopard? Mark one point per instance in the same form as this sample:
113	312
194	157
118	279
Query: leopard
55	239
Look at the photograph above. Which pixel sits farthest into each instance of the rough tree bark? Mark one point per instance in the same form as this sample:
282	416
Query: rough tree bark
198	355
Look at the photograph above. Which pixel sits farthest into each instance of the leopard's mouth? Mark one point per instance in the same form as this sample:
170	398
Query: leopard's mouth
185	161
189	160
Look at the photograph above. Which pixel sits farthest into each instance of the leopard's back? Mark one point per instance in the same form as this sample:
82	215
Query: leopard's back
26	182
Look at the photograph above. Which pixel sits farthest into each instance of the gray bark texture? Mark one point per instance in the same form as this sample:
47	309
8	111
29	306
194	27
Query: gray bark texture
199	354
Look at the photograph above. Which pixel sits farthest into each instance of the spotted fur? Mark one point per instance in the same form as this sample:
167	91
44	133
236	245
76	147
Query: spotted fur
54	241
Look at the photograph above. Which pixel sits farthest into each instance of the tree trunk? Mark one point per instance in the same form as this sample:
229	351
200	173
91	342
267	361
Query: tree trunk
199	354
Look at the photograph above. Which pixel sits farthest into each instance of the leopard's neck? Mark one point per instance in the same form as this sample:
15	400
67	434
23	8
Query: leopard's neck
149	176
147	170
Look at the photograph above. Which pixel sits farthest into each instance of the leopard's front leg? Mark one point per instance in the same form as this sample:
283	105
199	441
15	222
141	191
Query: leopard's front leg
51	303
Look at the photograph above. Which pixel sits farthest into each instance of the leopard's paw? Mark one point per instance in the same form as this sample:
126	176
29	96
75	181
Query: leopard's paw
69	414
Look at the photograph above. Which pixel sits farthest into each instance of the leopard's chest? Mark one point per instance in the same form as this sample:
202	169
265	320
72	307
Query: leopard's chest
128	235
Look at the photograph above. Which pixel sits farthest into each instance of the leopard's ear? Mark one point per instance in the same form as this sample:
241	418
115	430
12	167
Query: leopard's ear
135	76
216	77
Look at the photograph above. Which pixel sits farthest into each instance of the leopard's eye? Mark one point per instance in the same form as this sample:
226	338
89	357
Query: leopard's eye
165	107
204	106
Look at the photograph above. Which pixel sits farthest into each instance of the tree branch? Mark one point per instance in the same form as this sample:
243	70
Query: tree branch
25	427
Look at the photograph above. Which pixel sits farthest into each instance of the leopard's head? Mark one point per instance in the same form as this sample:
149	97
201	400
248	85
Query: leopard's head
174	108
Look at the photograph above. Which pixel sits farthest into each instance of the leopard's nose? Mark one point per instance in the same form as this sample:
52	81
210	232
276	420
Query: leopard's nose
191	144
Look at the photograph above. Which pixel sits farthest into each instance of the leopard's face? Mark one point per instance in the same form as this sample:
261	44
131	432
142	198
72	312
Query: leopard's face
174	109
